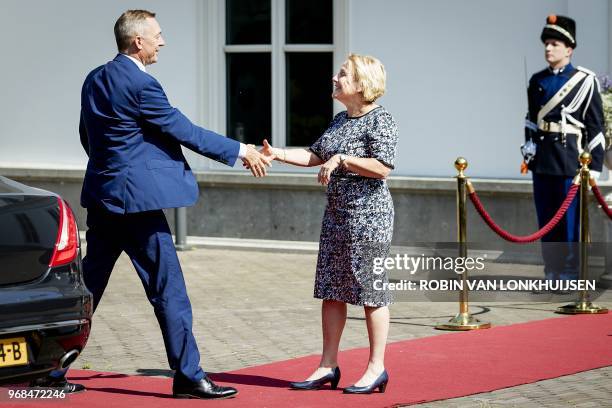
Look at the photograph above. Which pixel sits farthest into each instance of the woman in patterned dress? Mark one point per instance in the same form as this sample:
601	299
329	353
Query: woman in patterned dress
356	154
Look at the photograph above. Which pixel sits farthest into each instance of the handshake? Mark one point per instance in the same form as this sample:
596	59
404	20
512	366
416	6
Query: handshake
257	161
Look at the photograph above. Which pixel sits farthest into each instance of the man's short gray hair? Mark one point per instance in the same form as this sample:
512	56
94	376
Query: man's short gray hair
130	25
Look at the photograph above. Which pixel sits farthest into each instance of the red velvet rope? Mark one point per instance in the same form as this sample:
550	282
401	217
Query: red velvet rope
601	200
527	238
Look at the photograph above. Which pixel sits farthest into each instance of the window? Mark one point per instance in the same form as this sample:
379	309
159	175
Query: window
279	60
249	98
308	101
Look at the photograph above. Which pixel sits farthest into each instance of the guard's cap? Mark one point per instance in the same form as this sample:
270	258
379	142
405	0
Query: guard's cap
560	28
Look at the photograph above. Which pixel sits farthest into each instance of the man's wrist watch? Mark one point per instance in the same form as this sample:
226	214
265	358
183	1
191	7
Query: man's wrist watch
343	158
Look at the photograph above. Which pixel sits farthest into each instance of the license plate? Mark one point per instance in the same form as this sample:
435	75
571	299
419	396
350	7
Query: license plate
13	352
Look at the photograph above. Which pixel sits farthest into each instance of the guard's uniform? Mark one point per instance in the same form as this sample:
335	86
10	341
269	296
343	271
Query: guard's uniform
557	153
565	117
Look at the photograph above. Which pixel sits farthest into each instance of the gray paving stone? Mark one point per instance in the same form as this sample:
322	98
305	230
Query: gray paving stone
256	307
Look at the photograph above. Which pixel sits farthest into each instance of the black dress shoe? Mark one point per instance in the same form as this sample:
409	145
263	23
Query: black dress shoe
59	384
204	389
380	383
333	378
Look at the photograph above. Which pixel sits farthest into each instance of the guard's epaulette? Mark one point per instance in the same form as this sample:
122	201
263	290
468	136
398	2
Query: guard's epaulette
586	71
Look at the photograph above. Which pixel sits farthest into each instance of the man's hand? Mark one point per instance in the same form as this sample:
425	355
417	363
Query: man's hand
256	162
327	168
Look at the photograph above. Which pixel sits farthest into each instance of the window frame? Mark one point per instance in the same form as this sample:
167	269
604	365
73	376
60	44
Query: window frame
213	97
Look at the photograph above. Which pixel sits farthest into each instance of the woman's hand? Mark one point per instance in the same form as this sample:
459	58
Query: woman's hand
327	168
268	151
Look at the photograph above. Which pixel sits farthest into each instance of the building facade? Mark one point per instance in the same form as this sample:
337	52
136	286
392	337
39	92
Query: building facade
256	69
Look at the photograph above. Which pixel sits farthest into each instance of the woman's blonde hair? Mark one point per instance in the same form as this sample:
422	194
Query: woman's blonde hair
370	75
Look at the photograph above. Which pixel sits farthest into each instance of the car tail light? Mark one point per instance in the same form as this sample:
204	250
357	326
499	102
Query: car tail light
67	242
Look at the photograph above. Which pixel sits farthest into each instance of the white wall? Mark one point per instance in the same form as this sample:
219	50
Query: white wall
456	76
456	72
48	49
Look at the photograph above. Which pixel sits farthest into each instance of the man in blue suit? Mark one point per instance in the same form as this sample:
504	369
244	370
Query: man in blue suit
136	167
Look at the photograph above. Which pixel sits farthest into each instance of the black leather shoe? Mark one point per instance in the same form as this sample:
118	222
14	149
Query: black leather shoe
59	384
333	378
380	383
204	389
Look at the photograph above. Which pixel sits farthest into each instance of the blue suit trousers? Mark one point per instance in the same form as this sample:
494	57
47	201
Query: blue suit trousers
146	239
560	246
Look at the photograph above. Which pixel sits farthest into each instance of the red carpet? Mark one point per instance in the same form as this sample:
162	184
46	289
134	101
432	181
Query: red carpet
426	369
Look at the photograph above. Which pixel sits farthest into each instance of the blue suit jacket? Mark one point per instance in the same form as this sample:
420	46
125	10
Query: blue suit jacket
133	138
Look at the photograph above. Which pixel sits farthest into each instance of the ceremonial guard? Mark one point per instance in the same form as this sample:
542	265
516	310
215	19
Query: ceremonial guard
565	118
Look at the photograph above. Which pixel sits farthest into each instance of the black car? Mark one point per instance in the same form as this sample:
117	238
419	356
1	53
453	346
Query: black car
45	308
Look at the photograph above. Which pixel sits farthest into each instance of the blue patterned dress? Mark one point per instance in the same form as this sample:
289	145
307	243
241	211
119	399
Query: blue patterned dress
358	220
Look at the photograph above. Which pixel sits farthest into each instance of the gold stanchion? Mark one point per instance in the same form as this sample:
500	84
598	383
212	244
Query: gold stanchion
463	320
583	305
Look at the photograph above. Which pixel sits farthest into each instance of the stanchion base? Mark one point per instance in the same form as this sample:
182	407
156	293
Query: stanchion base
463	322
183	247
581	308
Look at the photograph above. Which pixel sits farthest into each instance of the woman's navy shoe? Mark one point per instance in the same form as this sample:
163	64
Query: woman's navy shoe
333	378
380	383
